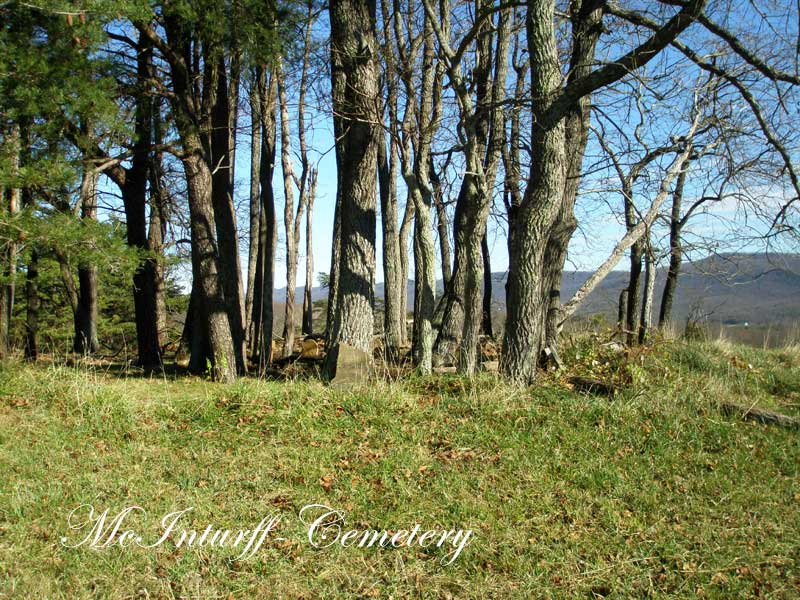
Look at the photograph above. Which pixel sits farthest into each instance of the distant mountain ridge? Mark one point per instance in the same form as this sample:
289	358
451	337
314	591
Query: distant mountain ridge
729	288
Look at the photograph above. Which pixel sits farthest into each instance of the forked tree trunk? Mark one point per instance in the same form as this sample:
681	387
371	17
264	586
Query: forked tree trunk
355	73
85	341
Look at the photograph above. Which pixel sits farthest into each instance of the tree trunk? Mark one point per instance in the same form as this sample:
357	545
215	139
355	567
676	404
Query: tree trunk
353	57
424	278
263	313
675	253
447	341
32	308
134	191
486	317
649	289
206	268
10	204
255	210
225	211
156	233
393	320
527	301
405	230
308	305
442	227
288	217
622	311
634	294
86	314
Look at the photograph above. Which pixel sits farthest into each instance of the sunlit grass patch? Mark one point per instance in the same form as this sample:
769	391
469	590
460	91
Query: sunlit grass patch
650	493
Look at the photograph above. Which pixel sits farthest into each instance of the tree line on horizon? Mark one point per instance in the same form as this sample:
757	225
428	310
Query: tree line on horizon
519	115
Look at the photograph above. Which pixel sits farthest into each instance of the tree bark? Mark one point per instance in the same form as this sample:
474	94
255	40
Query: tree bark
354	58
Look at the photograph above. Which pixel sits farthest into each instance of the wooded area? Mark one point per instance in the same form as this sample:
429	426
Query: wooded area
121	125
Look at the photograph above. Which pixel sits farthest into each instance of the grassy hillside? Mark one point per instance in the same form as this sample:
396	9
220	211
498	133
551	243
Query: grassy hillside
652	493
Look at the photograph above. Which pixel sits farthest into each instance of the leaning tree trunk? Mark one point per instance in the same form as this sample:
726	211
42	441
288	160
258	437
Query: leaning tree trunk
354	60
85	341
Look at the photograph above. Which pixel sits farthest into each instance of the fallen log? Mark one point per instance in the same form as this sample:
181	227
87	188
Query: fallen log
767	417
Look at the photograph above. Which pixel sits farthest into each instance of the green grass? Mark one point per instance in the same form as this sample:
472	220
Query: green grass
653	493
